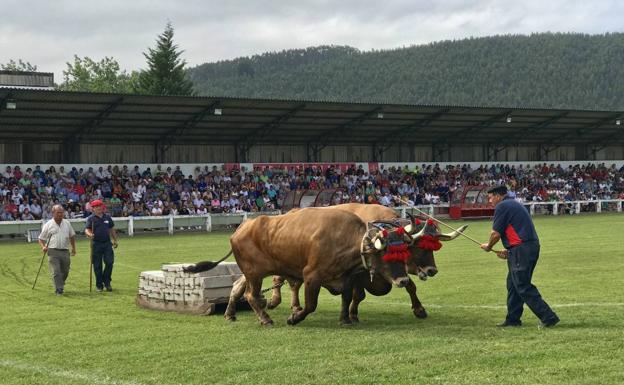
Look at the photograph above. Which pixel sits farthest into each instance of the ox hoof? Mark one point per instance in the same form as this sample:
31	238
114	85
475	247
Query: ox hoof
291	320
420	313
272	305
346	322
230	318
355	319
267	323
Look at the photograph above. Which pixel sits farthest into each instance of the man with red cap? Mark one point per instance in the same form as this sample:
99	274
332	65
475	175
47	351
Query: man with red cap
101	230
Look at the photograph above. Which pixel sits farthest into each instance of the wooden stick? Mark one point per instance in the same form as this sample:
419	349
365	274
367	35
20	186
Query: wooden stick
498	252
91	258
41	264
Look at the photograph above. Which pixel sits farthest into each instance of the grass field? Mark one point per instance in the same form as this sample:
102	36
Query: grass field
103	338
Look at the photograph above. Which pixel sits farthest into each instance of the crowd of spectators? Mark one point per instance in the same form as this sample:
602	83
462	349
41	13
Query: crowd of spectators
130	191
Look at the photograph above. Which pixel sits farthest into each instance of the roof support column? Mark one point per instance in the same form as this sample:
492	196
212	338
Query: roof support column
70	150
441	152
13	152
160	152
241	151
580	151
377	152
313	152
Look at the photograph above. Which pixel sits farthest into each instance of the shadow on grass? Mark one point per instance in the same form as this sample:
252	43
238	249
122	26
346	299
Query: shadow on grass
438	320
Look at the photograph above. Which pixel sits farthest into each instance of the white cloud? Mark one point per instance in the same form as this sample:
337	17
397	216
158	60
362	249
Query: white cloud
49	33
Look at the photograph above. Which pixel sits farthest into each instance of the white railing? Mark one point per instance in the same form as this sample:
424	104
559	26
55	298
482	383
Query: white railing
439	210
131	225
208	222
575	207
535	208
171	224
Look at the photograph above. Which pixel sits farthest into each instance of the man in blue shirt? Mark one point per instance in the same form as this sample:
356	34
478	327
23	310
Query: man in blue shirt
513	225
100	229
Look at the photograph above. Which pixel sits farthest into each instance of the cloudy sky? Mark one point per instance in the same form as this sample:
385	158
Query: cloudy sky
48	33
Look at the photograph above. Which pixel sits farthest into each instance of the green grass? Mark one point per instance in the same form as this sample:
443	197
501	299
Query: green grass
103	338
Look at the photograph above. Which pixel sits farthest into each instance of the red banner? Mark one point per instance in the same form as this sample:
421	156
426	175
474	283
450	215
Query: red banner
231	166
301	166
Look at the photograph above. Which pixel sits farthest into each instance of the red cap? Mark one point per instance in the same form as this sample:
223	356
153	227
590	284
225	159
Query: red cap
97	203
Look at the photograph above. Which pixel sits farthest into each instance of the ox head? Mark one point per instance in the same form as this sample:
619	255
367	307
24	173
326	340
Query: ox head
422	259
386	250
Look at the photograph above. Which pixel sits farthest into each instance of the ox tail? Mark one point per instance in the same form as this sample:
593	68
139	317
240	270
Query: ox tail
206	265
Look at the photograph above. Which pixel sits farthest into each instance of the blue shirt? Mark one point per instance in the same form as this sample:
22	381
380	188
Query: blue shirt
101	227
513	222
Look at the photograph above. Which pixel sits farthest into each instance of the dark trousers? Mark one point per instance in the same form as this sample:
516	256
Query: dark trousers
521	263
103	253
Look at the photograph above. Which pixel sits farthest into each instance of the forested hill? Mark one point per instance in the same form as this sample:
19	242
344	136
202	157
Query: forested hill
540	70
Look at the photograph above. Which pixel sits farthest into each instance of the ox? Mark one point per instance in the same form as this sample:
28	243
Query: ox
421	262
316	246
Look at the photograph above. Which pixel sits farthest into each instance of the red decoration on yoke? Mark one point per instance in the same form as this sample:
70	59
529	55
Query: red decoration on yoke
429	242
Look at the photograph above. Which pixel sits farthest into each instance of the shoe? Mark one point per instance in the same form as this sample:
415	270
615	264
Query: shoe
109	288
99	289
505	324
551	323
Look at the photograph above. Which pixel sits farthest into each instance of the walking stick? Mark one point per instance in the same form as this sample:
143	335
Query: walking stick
499	253
41	264
91	259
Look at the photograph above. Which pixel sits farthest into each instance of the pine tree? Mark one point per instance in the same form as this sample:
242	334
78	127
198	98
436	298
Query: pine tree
165	74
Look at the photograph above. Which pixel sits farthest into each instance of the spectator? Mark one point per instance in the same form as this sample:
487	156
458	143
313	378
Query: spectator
129	191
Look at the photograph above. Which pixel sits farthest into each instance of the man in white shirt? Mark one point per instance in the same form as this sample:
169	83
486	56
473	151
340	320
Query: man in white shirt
156	210
136	195
35	208
55	238
100	173
17	196
8	173
27	216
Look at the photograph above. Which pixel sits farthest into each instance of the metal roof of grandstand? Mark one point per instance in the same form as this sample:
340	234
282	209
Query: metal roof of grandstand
53	116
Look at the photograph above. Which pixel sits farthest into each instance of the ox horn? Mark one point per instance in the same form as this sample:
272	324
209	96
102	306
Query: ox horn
453	235
377	240
418	235
378	243
412	226
383	222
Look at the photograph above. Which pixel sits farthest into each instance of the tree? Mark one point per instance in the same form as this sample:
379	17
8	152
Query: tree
85	74
18	66
165	74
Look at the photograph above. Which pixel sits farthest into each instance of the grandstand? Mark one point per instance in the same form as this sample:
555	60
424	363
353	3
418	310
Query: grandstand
153	156
56	127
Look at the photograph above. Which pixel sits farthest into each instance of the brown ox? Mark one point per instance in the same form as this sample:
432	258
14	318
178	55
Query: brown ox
421	262
317	246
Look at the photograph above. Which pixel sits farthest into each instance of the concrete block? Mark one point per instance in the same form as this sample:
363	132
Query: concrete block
223	292
174	267
155	295
147	274
217	281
